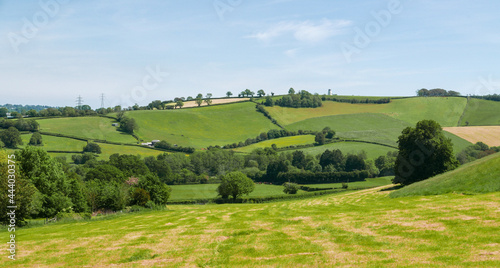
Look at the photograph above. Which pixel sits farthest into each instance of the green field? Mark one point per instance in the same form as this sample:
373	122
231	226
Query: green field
109	149
364	228
480	176
368	127
446	111
202	127
281	142
369	182
95	128
51	143
458	143
372	150
482	113
200	191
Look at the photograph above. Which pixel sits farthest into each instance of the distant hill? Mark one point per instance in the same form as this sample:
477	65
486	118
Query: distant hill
481	176
19	107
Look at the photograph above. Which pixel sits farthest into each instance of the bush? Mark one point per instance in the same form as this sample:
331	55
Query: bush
290	188
92	148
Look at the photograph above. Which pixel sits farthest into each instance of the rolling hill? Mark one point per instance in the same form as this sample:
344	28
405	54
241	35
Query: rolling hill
480	176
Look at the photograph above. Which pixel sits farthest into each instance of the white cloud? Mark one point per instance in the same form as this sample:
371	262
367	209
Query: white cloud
305	31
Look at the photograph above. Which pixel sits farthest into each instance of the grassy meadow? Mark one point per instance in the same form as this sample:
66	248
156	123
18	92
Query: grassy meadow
51	143
202	127
94	128
480	176
364	228
368	127
482	113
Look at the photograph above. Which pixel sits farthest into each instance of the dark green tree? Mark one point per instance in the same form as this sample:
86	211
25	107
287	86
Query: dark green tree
36	139
320	138
299	159
354	162
128	125
105	173
158	191
11	137
229	94
92	148
424	152
199	99
235	184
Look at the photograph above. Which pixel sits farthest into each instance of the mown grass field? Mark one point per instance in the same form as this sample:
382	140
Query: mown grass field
364	228
482	113
480	176
95	128
446	111
281	142
202	127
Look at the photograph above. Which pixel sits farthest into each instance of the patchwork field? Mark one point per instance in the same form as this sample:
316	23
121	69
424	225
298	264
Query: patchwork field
51	143
446	111
487	134
364	228
95	128
202	127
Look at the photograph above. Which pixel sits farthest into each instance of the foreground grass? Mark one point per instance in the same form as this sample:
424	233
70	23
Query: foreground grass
480	176
364	228
94	128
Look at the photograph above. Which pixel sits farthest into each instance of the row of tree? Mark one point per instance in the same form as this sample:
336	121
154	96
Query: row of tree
303	99
437	92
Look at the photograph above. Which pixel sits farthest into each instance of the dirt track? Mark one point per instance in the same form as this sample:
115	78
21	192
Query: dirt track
487	134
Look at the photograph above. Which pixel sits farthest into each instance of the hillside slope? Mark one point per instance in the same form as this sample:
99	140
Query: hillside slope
202	127
481	176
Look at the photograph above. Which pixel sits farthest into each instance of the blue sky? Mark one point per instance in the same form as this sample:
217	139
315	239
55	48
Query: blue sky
138	51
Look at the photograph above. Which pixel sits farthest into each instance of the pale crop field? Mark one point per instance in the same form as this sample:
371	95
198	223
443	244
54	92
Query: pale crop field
490	135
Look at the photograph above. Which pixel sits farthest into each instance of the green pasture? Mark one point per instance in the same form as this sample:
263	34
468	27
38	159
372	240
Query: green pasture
281	142
458	143
202	127
95	128
200	191
363	228
480	176
369	182
51	143
482	113
368	127
109	149
446	111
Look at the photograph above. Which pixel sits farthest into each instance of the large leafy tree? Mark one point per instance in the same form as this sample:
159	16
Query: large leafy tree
47	175
11	137
235	184
424	152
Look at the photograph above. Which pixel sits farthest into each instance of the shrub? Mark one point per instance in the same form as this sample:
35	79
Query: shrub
290	188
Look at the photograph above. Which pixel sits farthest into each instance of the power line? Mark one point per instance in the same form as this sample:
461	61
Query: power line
79	102
102	100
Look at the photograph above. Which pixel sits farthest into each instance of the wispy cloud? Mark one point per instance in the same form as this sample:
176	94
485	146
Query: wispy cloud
305	31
